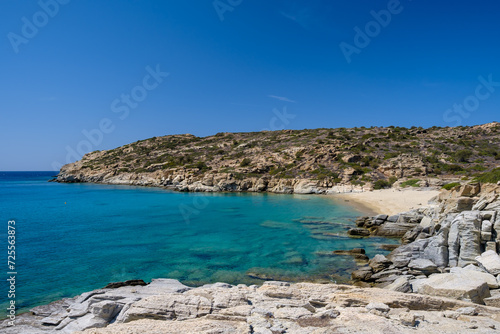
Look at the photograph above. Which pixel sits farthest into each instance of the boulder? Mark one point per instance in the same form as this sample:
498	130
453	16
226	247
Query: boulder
437	250
492	301
379	262
393	219
471	273
491	246
359	232
362	274
426	222
425	266
464	239
402	255
401	284
469	190
396	230
490	261
385	273
455	286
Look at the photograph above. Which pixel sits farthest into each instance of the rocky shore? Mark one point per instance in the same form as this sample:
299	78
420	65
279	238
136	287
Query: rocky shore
167	306
449	248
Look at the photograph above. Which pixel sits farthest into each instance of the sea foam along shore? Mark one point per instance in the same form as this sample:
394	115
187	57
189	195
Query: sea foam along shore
388	201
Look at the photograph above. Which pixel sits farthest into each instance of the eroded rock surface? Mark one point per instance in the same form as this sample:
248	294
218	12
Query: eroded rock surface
167	306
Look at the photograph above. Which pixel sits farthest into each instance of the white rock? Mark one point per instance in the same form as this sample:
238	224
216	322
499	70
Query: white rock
490	261
377	306
470	274
486	226
455	286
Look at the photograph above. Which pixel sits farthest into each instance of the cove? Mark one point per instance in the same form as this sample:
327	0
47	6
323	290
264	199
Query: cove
73	238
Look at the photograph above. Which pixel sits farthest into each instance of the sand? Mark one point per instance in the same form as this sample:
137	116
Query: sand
387	201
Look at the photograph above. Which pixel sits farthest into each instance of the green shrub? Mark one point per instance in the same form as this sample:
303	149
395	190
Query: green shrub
451	185
489	177
245	162
410	183
381	184
462	156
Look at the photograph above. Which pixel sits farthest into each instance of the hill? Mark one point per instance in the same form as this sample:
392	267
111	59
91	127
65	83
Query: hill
300	161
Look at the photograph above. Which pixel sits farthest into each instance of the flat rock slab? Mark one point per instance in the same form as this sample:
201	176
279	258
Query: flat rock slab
490	261
455	286
426	266
471	274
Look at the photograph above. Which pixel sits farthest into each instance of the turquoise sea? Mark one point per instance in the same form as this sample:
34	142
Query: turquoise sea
72	238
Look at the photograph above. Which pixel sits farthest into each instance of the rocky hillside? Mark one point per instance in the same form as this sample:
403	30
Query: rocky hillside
301	161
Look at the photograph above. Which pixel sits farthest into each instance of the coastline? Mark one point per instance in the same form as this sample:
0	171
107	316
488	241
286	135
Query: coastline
386	201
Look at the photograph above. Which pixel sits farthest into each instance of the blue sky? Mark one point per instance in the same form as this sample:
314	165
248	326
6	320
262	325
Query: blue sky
238	65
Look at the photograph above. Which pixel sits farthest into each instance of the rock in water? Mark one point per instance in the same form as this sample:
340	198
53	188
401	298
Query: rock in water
361	232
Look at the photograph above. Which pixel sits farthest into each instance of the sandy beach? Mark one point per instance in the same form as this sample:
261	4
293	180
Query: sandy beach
387	201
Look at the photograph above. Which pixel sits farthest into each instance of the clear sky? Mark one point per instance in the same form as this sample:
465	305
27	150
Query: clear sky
85	75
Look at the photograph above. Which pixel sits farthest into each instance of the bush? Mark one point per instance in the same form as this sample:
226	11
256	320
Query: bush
489	177
450	186
381	184
410	183
245	162
462	156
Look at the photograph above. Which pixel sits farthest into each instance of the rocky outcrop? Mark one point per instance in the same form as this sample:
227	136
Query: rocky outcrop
167	306
448	252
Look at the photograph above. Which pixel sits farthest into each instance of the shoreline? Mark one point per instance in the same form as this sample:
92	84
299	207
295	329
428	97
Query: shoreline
387	201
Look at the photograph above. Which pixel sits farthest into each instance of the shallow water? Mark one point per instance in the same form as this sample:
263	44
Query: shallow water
72	238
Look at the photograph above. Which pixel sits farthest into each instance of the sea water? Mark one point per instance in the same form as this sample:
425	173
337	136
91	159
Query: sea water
72	238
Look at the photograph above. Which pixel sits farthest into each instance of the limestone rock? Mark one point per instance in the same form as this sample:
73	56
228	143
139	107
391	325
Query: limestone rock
379	262
358	232
490	261
362	274
425	266
464	239
492	301
401	284
468	273
454	286
381	307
